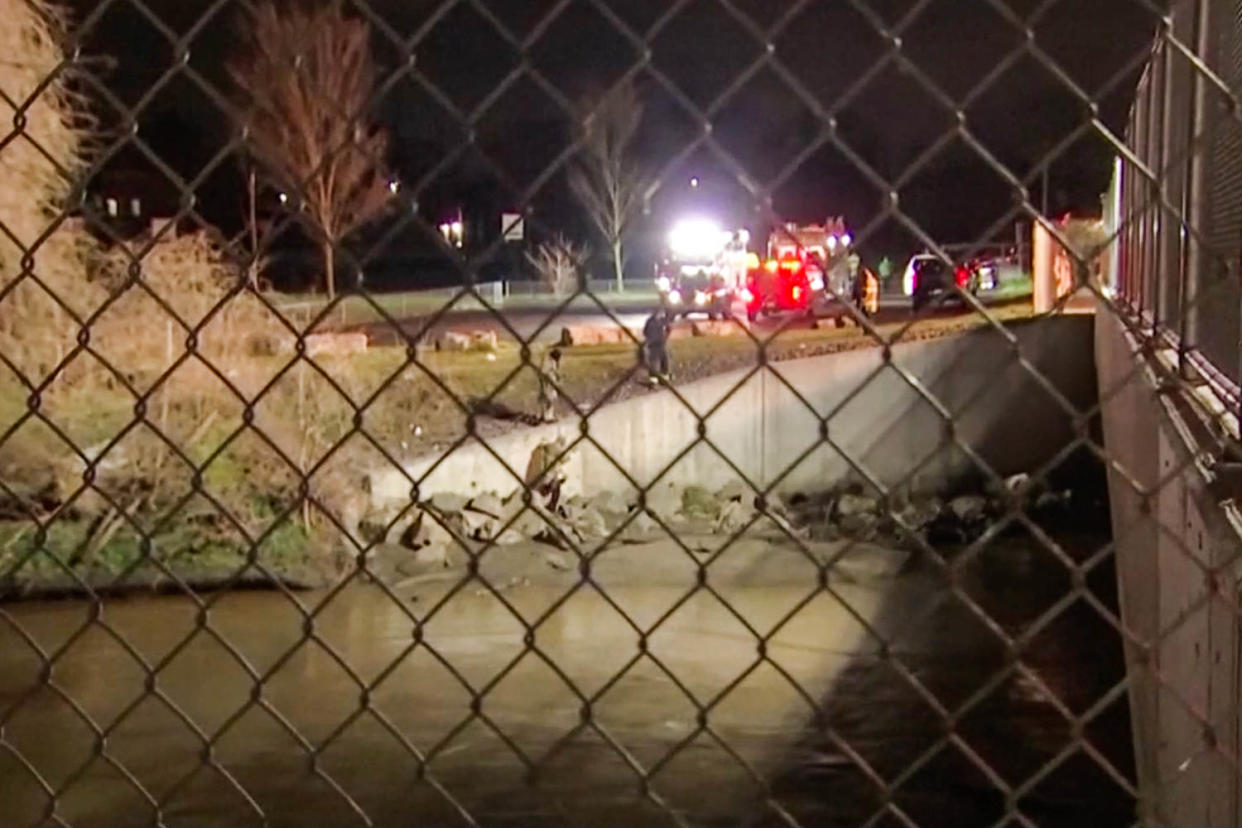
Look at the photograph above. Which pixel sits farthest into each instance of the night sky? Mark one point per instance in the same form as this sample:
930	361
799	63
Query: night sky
827	47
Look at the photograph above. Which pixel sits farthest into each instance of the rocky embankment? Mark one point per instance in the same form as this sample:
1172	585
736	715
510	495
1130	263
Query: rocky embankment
920	521
845	532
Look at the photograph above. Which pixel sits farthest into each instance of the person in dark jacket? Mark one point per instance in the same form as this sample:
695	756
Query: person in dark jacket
655	346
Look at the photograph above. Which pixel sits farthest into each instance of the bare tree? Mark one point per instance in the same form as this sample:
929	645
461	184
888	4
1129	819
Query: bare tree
308	78
606	180
559	263
257	230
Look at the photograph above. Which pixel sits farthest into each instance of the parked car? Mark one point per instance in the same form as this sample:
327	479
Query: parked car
929	278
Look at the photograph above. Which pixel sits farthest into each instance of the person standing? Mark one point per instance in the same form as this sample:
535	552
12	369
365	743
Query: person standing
885	270
655	346
549	385
853	264
870	292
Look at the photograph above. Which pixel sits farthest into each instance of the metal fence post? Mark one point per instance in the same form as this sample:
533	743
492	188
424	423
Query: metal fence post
1196	199
1158	94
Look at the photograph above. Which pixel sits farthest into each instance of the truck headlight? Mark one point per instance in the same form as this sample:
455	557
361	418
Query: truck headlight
663	284
674	297
700	298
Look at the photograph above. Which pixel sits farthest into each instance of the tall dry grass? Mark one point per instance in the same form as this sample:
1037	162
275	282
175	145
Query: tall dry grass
146	388
40	166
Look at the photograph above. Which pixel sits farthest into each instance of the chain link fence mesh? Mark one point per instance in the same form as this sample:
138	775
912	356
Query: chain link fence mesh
856	575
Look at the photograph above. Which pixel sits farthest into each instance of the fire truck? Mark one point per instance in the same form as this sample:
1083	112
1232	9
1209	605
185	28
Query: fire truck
703	267
807	271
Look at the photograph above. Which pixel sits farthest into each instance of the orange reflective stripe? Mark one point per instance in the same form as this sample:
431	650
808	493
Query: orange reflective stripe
871	292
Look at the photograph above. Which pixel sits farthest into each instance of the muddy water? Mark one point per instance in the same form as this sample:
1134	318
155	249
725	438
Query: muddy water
264	713
420	700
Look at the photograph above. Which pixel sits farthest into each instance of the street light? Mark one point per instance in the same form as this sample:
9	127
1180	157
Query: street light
284	198
394	186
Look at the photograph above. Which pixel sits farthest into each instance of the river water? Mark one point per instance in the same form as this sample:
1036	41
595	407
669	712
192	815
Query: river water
260	714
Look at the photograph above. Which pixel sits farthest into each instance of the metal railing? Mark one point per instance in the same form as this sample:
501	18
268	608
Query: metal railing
1176	202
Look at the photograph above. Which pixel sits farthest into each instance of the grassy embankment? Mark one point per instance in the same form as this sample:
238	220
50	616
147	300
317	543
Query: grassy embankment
247	491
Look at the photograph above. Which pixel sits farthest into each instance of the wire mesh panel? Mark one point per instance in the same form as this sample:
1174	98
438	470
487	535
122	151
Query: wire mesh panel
619	412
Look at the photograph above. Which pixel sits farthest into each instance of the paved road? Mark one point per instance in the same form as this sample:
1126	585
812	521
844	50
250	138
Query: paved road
544	325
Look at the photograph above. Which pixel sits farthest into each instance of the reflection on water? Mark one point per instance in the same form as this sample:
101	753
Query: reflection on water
256	709
419	701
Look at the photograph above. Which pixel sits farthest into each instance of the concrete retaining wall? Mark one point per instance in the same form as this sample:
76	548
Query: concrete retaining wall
1177	552
769	426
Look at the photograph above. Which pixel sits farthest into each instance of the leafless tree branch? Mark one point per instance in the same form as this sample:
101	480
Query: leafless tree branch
308	76
606	180
559	263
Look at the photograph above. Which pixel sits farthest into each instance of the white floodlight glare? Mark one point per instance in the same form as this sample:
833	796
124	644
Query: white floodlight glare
847	240
696	239
832	242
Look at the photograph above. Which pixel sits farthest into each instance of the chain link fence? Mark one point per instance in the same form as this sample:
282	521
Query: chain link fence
965	565
1181	132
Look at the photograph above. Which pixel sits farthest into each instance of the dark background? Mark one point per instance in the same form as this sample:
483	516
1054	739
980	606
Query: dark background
892	121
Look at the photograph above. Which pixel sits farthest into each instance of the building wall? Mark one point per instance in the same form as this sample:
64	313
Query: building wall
1177	550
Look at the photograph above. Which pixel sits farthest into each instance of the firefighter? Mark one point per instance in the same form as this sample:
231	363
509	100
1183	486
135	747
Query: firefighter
655	346
549	382
545	473
870	292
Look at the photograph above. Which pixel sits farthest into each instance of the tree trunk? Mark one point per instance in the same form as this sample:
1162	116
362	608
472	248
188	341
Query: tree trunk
617	265
252	192
329	269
